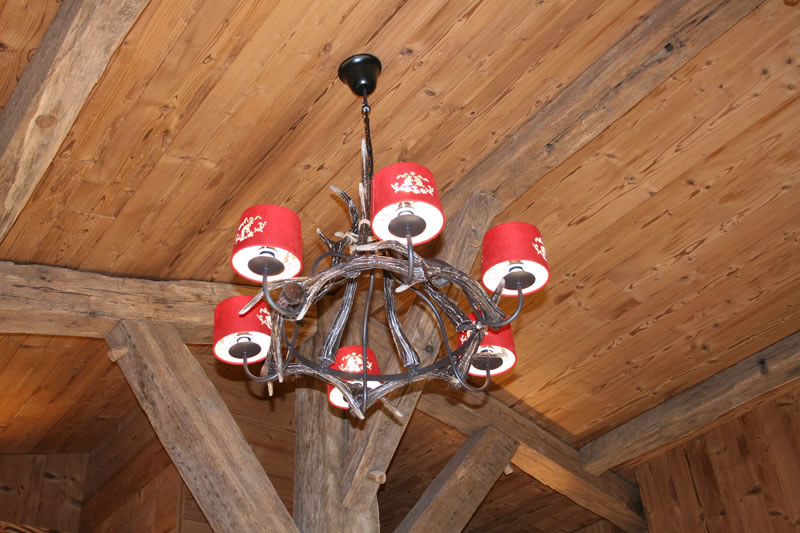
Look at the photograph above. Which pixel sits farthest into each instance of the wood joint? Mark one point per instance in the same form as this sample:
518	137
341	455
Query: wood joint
116	353
377	476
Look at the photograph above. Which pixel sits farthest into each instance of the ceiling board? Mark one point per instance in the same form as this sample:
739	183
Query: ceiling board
22	26
667	266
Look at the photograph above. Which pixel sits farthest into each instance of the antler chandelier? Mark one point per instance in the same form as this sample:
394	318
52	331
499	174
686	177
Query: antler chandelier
399	208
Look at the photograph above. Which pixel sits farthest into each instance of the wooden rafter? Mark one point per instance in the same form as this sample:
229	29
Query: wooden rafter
666	39
686	413
59	301
453	496
51	92
197	430
542	455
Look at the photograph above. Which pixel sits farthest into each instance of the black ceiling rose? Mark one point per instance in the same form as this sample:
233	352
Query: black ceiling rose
360	72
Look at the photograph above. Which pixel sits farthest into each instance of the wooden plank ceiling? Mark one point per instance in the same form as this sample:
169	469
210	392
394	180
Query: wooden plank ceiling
674	235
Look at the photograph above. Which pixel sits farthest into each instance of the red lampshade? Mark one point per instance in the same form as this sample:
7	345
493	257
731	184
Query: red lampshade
268	235
348	359
235	335
496	352
406	189
510	247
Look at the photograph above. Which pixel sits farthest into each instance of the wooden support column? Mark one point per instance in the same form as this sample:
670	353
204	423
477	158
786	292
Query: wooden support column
686	413
197	430
319	446
374	447
453	496
541	455
52	90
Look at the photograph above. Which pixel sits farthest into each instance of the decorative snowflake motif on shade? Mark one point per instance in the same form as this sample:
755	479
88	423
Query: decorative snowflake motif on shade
249	227
264	317
538	245
352	363
413	183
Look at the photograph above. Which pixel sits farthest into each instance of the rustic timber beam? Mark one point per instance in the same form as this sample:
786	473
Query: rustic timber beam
319	445
59	301
661	43
540	454
51	92
372	448
197	430
686	413
453	496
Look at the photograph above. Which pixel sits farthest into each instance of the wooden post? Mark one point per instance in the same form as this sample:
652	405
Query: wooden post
319	446
373	447
197	430
453	496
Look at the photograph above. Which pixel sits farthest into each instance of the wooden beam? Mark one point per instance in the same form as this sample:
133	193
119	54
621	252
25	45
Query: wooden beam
661	43
197	430
453	496
540	454
692	410
59	301
51	92
380	434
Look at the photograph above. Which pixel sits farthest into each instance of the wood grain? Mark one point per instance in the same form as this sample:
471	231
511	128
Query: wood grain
43	490
741	476
51	93
129	467
22	25
197	430
453	496
58	301
541	455
665	39
695	408
374	446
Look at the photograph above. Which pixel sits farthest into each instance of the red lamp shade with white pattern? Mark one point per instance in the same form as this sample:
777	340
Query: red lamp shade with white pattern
514	248
269	237
348	359
405	201
236	336
496	353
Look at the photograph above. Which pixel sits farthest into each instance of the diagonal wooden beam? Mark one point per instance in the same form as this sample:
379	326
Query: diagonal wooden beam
197	430
59	301
51	92
453	496
372	448
540	454
661	43
683	415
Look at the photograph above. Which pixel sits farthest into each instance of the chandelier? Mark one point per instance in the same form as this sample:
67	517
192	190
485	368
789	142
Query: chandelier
398	208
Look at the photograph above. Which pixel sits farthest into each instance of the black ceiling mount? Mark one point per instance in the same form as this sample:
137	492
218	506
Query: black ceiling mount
360	72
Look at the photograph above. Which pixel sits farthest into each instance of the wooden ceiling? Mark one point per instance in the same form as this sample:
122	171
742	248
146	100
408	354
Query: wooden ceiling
668	202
